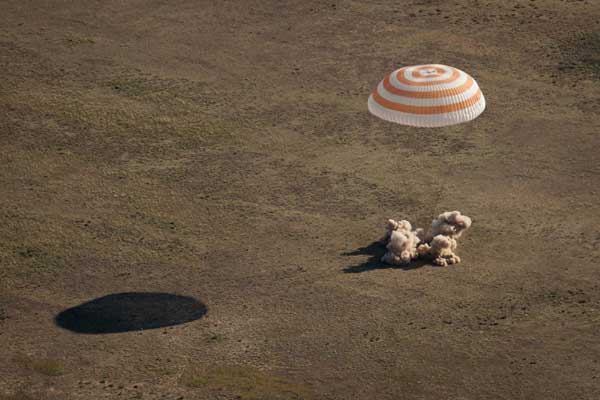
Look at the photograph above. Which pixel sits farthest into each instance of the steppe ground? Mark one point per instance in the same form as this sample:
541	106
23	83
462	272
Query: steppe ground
223	150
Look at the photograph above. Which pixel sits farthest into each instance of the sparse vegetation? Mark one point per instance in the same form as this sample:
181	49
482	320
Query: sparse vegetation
20	395
581	54
216	338
552	295
246	383
131	87
44	366
589	45
75	39
39	258
48	367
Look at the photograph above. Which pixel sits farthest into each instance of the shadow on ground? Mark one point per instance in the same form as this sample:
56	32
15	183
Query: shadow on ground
125	312
376	250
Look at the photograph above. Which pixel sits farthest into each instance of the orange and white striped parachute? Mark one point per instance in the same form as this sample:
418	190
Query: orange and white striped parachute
430	95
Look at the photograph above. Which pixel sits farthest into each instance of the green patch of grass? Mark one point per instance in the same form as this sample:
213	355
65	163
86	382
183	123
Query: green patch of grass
216	338
245	383
166	371
44	366
552	295
131	87
155	220
39	258
48	367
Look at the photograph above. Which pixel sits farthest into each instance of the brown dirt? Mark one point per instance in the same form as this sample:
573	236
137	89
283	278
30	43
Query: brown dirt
223	151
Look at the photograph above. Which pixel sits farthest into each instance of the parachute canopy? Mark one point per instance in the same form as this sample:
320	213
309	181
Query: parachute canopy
431	95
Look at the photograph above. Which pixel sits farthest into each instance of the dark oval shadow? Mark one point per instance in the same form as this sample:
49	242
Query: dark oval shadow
125	312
